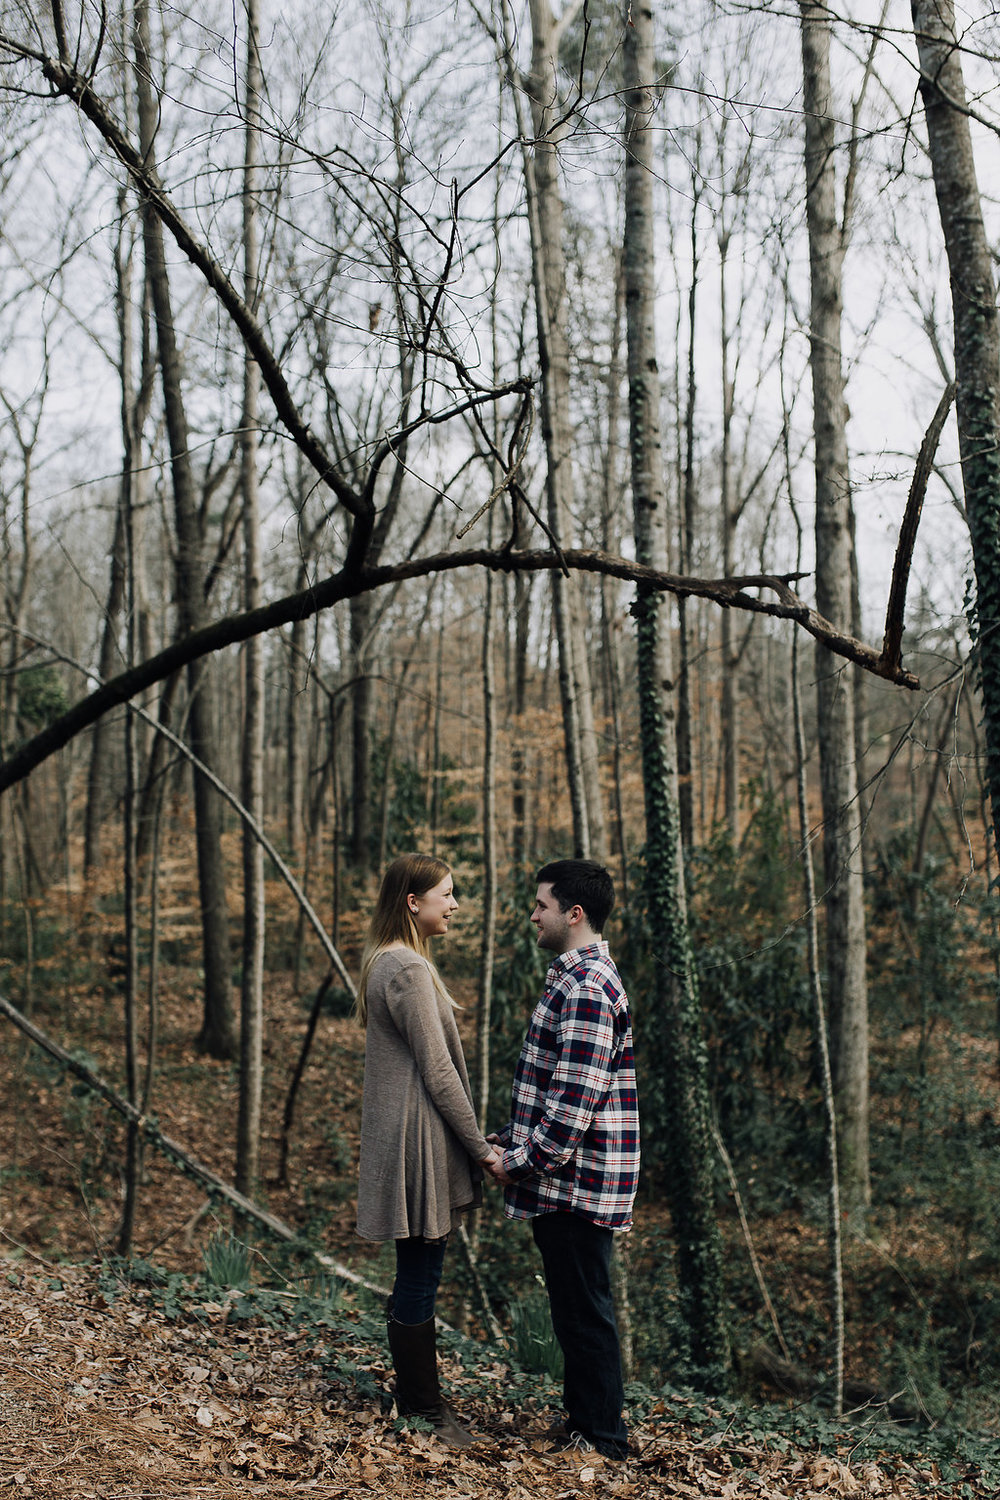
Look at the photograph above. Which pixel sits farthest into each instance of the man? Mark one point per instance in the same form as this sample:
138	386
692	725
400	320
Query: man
571	1150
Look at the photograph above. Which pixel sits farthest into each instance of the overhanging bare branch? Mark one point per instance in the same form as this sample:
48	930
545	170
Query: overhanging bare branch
350	582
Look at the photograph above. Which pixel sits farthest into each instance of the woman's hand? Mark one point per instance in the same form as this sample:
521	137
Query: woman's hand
494	1166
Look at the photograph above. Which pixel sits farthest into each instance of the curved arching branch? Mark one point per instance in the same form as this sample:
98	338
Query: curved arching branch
73	86
350	582
892	643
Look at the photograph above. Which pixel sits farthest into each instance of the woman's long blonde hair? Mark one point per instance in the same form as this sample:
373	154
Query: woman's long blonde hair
392	921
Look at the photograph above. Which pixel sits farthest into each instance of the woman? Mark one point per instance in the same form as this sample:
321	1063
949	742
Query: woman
421	1148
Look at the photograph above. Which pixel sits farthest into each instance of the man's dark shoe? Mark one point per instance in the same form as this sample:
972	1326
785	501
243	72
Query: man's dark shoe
567	1440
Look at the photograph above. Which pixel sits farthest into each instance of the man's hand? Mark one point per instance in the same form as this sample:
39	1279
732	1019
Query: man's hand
494	1165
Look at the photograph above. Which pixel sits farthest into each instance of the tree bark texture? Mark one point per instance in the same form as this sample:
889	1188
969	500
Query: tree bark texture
252	977
298	683
549	270
136	391
822	1040
977	341
842	830
489	927
99	770
612	521
679	1083
217	1035
729	652
685	729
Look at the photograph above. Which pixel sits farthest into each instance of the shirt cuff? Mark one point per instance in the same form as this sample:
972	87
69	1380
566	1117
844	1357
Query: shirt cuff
515	1163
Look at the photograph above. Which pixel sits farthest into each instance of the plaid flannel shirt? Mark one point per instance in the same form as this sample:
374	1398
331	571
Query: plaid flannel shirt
573	1139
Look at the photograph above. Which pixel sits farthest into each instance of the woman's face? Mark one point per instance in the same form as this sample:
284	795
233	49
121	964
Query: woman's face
433	910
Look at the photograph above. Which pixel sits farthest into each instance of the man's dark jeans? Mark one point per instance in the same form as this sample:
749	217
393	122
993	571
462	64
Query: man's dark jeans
576	1257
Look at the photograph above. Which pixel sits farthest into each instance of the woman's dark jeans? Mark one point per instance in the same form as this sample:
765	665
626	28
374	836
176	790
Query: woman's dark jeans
418	1274
576	1258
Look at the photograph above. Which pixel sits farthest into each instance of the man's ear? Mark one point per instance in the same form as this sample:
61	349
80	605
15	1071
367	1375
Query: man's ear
575	915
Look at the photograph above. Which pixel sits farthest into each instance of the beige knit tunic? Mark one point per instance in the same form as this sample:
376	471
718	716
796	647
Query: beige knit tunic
420	1144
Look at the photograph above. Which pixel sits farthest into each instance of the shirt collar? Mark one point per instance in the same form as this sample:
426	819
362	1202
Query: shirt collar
573	956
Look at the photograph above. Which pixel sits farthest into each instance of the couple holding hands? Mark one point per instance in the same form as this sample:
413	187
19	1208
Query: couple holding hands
568	1158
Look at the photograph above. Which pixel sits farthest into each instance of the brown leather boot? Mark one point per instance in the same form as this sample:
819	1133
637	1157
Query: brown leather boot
413	1347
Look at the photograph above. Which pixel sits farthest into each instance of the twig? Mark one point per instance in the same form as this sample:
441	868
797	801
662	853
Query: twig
726	1159
216	1186
293	1088
496	1332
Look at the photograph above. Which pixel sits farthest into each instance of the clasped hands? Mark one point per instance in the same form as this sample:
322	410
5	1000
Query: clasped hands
493	1164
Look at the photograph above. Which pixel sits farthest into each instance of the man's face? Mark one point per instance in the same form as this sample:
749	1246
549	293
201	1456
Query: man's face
552	925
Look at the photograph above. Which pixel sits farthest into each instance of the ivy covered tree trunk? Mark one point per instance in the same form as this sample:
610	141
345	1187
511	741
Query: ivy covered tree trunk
977	340
676	1090
843	875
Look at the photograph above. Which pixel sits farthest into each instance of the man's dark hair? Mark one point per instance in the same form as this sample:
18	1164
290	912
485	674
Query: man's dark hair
581	882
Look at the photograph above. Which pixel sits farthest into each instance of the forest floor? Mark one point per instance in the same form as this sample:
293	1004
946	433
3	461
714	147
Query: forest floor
105	1391
156	1383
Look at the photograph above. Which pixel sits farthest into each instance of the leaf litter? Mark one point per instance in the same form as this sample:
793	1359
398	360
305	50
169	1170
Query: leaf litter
104	1397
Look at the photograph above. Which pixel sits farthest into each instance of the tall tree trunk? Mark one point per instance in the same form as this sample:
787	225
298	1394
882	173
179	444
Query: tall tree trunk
549	270
845	917
297	680
611	542
676	1040
685	736
252	978
297	685
132	415
133	1146
99	771
489	925
135	406
519	691
484	1018
217	1035
360	611
821	1030
730	736
435	780
977	341
19	582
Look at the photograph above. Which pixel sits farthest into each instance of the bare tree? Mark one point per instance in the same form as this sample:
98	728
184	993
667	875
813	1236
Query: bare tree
843	876
136	393
252	977
545	210
217	1034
